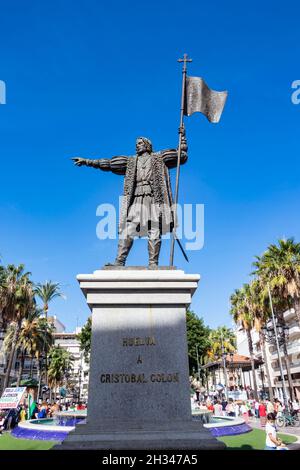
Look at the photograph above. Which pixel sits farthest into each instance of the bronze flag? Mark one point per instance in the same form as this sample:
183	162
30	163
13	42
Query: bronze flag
200	98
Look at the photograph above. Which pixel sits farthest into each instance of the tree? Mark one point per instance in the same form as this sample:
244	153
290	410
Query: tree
221	340
243	307
197	338
60	362
84	338
16	301
46	293
279	267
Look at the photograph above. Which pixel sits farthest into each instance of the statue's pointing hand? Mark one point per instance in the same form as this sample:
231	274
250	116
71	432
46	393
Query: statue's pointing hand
79	161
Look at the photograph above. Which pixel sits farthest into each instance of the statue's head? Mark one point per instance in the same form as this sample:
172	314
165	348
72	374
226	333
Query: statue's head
143	145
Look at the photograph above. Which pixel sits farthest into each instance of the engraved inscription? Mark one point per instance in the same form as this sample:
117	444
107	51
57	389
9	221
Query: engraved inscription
139	378
147	341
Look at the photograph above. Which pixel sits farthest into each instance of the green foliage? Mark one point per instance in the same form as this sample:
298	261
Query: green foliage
253	440
221	339
7	442
47	292
197	338
60	362
85	337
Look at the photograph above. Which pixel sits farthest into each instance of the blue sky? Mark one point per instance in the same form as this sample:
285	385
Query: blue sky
87	77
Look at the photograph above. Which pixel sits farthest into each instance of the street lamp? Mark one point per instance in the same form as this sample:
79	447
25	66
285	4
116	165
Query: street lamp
275	332
224	355
231	368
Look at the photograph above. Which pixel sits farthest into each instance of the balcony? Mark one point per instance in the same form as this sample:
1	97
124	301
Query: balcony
289	315
293	347
294	370
294	331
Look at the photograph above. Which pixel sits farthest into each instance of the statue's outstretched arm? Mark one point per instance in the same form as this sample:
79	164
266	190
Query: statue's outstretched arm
170	156
115	164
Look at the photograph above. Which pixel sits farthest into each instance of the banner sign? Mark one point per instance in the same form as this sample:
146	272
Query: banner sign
11	397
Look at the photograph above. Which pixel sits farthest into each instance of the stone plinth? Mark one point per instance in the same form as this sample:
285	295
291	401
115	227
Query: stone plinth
139	394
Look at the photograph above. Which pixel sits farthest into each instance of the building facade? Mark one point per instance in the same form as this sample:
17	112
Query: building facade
76	382
293	355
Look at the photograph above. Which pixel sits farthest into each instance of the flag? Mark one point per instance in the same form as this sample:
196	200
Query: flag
31	405
200	98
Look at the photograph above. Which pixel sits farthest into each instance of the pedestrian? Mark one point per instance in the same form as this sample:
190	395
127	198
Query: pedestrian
256	408
262	410
23	413
295	408
218	408
272	442
245	412
236	409
230	408
270	407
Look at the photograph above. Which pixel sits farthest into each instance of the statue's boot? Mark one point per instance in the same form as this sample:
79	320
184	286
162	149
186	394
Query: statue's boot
124	247
154	245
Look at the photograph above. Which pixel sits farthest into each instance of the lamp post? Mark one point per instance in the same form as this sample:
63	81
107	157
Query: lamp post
198	365
231	368
224	355
276	333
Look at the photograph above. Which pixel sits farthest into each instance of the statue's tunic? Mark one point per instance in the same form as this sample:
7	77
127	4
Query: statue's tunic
147	188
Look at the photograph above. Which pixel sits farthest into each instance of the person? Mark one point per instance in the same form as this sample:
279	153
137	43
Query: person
203	406
230	408
224	403
295	408
217	408
42	411
272	442
54	409
147	203
236	409
279	409
245	412
256	408
2	419
276	405
262	413
23	413
270	407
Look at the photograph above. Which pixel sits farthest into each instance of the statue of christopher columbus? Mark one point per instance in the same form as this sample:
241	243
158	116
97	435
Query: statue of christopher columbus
147	203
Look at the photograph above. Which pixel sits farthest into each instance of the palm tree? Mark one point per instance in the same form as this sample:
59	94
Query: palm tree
221	340
243	313
47	292
16	301
279	267
261	312
60	362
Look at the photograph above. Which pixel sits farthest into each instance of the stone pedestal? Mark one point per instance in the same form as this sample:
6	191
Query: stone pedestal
139	395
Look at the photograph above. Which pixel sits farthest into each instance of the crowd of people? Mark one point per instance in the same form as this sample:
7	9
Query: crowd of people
219	406
42	410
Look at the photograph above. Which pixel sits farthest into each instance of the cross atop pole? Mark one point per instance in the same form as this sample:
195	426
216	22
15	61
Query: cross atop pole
185	60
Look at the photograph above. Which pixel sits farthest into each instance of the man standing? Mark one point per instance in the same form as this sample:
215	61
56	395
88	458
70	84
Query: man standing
147	201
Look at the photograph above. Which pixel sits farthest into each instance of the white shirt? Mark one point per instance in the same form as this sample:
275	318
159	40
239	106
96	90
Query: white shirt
270	429
244	409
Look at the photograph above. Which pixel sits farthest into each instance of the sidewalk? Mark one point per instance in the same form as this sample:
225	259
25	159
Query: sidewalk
255	423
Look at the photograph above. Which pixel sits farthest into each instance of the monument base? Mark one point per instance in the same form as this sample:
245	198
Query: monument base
169	436
139	392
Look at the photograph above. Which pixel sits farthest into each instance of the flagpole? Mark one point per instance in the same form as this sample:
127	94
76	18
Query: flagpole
184	70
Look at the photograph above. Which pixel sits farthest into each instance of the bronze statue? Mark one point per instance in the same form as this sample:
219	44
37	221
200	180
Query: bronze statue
147	202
